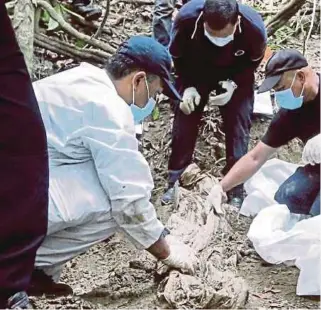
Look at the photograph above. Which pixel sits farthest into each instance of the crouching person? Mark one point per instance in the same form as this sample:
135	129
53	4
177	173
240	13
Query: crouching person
297	92
99	181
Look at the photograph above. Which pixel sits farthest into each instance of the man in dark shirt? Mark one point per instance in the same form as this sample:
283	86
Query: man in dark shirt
297	92
216	45
23	172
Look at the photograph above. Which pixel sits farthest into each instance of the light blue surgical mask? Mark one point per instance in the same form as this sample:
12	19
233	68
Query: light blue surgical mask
219	41
141	113
287	100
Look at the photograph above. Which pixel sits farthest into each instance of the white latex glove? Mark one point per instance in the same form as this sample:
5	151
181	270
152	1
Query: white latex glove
224	98
181	256
215	199
191	98
311	152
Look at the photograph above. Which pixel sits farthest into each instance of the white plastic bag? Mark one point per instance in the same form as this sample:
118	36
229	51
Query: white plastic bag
280	237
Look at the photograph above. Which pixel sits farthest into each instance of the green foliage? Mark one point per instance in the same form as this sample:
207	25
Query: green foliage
80	43
155	114
51	24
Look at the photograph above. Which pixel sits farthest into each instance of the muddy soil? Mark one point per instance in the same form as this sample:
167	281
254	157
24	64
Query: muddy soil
114	274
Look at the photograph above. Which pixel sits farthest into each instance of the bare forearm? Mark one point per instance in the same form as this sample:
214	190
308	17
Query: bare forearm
240	172
247	166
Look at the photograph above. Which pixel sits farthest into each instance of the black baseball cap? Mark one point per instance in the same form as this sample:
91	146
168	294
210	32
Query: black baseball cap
280	62
153	57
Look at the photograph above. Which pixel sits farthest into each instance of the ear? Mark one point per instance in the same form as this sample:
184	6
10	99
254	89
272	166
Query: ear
138	77
301	76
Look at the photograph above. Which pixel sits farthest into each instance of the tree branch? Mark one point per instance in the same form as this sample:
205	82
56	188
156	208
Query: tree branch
281	18
72	31
23	24
139	2
103	22
70	50
311	27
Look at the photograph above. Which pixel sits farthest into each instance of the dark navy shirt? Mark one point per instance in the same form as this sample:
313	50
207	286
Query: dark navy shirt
198	61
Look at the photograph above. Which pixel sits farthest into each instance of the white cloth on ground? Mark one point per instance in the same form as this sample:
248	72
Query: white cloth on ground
279	236
95	165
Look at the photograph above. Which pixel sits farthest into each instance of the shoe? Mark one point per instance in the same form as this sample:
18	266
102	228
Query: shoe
168	196
236	196
89	12
236	202
19	300
41	284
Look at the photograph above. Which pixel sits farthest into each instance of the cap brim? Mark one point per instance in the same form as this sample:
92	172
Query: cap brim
269	83
170	90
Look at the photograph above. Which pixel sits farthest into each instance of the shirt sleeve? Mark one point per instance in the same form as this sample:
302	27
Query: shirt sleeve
180	39
124	175
282	129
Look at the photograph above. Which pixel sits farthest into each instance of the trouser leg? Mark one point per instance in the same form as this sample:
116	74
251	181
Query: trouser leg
23	168
301	191
184	135
162	20
64	245
237	120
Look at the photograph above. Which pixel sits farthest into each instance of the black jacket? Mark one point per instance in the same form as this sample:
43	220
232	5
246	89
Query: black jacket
198	61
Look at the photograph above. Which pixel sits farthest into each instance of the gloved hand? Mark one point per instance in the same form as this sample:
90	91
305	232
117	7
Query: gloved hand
311	152
191	98
224	98
181	256
215	199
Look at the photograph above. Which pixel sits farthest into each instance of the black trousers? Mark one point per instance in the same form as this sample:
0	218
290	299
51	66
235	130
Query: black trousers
24	176
237	116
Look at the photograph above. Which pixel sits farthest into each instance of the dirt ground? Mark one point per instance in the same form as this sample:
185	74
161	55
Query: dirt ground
115	275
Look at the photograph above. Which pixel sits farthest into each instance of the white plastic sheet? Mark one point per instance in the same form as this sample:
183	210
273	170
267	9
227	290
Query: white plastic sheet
279	236
262	187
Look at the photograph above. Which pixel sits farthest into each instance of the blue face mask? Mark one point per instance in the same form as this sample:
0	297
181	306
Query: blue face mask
141	113
287	100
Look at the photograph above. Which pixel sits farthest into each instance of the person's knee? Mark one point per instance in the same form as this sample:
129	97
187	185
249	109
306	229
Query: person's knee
294	198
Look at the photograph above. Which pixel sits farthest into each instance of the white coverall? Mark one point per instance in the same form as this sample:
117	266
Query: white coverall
99	181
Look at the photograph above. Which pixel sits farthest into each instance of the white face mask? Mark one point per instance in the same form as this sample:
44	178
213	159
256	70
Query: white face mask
219	41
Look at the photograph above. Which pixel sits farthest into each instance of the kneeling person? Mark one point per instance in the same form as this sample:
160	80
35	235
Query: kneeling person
297	92
99	181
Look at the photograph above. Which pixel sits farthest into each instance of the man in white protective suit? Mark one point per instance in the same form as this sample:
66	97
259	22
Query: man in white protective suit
99	182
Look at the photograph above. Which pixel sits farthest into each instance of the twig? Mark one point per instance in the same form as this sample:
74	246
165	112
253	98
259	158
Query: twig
91	24
103	22
72	31
273	12
311	27
140	2
281	18
69	50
